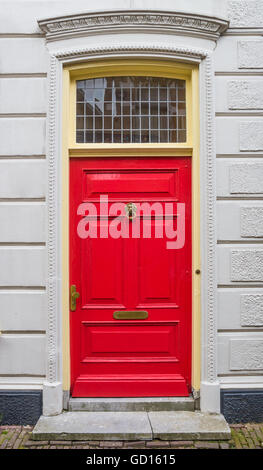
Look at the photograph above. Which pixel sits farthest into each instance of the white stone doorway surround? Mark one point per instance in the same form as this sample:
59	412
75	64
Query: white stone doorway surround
163	35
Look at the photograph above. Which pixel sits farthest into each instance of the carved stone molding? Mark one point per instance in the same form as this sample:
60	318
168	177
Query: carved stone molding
209	336
188	53
132	20
246	354
252	310
245	13
52	331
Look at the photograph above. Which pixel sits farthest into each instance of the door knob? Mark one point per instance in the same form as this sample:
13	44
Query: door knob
74	295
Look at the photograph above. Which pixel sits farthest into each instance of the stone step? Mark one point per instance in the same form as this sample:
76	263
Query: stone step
132	404
136	425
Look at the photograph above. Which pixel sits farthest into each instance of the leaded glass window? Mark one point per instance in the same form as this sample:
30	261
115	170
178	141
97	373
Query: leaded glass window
131	110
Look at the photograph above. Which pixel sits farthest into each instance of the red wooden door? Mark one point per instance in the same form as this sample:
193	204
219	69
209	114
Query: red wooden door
143	357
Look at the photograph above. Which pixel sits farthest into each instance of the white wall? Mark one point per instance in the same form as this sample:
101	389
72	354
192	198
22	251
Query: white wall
239	124
19	16
23	107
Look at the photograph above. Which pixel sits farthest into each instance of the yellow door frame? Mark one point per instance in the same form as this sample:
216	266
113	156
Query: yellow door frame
71	149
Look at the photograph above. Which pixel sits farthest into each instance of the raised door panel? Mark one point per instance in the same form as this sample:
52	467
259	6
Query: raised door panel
149	357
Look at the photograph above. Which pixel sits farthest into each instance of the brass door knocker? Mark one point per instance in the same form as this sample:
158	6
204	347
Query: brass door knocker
130	210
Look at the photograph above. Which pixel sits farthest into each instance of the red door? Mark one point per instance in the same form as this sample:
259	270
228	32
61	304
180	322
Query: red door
112	356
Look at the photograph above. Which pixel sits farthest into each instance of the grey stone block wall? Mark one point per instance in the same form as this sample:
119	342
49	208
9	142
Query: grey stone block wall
242	406
20	407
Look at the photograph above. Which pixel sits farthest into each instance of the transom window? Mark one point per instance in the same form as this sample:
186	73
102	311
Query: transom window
131	110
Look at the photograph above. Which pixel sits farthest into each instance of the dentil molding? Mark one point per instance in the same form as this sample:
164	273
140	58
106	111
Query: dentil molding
52	396
132	20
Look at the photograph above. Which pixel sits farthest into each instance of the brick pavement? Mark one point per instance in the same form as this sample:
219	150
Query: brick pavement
244	436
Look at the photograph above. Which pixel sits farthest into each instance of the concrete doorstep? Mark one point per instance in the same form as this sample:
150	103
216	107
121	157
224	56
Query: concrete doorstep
132	404
110	426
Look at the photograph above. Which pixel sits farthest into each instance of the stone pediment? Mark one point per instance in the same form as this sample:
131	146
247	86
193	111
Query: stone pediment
132	21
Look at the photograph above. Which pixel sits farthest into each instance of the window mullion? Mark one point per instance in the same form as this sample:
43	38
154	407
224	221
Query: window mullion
131	105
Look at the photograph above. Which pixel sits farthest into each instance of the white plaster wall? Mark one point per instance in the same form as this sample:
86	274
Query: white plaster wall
240	221
23	55
239	93
22	178
240	354
238	264
133	38
22	310
243	53
245	13
239	125
23	95
239	178
27	11
240	308
23	107
239	147
24	266
22	354
22	222
22	136
239	134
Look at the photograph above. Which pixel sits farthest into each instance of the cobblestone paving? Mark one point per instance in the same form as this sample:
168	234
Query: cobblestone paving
244	436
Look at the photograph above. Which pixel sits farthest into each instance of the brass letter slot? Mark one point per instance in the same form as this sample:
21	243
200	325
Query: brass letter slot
130	315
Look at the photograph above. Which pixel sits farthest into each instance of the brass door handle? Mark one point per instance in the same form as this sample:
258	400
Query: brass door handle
74	295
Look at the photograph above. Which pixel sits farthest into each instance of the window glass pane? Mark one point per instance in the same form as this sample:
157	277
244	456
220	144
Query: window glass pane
131	110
